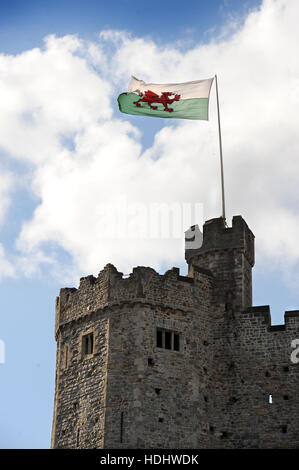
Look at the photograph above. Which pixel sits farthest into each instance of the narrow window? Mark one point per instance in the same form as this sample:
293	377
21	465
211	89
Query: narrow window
66	351
159	339
87	344
270	399
284	429
121	426
176	342
167	340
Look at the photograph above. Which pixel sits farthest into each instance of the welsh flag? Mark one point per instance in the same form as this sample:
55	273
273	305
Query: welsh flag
188	100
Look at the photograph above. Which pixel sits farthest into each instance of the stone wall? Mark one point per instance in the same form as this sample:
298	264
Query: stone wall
252	360
80	391
159	394
110	390
228	252
213	392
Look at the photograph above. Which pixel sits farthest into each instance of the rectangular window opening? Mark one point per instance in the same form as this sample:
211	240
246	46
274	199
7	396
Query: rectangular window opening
87	344
121	426
159	339
66	352
176	342
167	340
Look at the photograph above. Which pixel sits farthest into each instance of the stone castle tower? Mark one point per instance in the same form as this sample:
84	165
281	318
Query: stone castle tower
171	361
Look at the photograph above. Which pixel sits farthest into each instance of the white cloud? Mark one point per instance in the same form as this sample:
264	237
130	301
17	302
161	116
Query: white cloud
6	268
57	115
46	95
6	187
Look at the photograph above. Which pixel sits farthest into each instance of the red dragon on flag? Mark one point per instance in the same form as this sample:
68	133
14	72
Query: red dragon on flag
150	97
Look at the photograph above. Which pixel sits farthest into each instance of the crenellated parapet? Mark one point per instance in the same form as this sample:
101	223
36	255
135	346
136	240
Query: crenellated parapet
218	236
228	252
143	285
151	360
260	315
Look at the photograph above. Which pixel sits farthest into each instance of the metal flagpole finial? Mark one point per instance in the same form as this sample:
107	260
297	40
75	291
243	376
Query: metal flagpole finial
221	156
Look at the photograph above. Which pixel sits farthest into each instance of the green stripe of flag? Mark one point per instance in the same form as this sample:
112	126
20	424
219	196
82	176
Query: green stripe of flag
194	108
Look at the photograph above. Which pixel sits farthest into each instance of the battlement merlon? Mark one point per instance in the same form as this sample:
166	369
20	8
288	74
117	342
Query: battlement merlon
144	285
216	236
262	312
228	252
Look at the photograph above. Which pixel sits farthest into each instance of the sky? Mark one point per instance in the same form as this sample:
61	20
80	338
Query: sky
67	154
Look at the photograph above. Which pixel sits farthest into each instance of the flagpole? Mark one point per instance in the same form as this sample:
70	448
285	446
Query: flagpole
221	156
